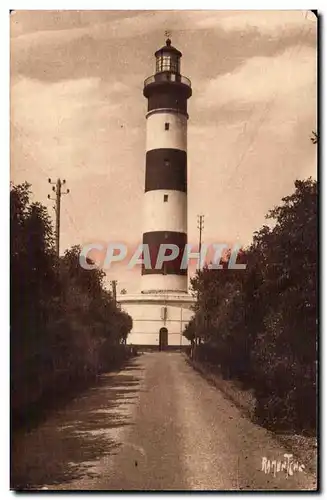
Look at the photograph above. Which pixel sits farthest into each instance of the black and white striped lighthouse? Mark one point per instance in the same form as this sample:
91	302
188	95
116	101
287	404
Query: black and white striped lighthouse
164	307
165	203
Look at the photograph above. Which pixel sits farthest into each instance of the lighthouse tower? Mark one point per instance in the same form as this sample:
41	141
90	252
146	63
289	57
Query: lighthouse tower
162	309
165	201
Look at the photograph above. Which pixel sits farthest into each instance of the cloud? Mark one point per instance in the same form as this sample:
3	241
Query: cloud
265	21
33	94
262	78
104	49
78	130
71	125
101	48
104	26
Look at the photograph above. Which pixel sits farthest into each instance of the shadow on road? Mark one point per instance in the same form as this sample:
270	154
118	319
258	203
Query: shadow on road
65	446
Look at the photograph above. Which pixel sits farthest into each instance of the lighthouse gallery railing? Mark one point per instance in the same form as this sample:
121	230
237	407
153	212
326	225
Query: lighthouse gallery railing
167	76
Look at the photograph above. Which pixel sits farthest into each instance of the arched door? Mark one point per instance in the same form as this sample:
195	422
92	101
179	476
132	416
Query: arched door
163	338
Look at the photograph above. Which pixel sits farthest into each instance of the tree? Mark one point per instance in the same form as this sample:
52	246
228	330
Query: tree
314	137
65	326
33	284
287	378
259	325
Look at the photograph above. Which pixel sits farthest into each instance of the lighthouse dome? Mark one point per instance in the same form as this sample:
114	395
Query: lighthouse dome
169	49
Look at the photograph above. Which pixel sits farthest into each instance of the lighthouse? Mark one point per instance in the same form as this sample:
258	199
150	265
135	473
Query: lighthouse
165	199
163	307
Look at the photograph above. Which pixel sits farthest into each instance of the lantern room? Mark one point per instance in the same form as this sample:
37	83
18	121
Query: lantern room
168	59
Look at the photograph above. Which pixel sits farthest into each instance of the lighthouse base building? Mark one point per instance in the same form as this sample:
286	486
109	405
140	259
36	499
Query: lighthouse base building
163	308
158	319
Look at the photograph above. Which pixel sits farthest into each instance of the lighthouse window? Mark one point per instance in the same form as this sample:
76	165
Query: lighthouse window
165	63
166	126
159	64
167	163
165	197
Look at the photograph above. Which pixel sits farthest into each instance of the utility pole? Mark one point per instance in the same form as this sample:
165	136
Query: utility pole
197	337
114	290
200	227
56	188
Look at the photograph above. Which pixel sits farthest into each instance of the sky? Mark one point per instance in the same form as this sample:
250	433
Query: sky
78	113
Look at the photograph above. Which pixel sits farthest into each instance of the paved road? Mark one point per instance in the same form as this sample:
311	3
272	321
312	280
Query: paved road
157	425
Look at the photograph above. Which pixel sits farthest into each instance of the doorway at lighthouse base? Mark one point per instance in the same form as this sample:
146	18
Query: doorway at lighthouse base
158	319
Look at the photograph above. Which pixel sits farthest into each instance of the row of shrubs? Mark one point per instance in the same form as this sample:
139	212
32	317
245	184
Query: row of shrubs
66	327
259	325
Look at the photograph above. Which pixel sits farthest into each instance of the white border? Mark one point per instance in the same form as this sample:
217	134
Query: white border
4	170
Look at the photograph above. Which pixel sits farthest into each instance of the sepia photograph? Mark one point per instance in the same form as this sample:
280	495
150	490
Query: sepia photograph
164	250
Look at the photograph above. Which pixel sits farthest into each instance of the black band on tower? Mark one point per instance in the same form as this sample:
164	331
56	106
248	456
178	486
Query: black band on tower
170	100
166	169
154	239
166	90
